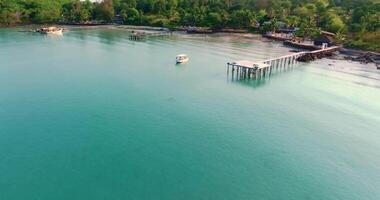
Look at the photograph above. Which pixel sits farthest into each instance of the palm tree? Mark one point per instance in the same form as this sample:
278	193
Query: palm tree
274	25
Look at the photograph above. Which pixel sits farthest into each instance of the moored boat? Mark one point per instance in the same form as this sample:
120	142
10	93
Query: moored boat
181	58
51	30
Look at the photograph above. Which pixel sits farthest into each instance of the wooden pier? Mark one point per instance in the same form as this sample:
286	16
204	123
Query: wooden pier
260	69
143	35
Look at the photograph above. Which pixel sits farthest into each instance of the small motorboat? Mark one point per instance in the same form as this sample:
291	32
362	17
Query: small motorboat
51	30
181	58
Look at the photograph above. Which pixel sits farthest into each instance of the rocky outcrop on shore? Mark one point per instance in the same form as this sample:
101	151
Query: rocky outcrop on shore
362	56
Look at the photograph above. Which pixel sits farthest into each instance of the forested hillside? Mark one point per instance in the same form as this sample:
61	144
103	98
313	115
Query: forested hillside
356	22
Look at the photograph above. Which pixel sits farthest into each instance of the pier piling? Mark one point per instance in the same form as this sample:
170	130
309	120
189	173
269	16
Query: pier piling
258	70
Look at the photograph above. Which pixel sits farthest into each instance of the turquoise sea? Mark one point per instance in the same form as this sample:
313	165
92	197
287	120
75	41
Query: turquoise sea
93	115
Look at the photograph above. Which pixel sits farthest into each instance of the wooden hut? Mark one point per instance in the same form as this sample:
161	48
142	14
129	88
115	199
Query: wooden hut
325	38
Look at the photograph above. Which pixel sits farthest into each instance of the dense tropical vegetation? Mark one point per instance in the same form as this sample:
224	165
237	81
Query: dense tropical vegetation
356	22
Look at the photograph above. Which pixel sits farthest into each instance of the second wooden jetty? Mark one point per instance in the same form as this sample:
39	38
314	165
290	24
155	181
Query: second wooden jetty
140	35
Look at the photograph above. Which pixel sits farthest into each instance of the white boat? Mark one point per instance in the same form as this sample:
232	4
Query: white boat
181	58
51	30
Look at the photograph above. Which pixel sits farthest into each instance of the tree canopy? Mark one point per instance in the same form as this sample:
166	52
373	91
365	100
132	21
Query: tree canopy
358	19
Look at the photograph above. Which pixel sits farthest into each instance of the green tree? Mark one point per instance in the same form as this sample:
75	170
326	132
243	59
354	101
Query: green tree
133	15
274	25
292	21
10	12
214	20
308	29
47	11
242	19
105	10
335	23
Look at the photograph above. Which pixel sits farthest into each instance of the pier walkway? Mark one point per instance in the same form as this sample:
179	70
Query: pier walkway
260	69
142	34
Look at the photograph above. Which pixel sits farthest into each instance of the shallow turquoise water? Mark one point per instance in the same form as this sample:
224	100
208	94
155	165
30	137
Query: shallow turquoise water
92	115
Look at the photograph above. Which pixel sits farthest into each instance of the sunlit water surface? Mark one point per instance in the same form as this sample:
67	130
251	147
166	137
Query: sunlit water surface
93	115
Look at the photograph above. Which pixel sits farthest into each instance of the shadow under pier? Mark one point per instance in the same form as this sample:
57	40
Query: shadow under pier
260	70
251	70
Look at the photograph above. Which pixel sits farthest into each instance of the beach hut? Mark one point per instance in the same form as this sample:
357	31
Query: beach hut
325	38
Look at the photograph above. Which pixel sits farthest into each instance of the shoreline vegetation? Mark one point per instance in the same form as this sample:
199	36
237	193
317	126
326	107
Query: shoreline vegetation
355	23
362	56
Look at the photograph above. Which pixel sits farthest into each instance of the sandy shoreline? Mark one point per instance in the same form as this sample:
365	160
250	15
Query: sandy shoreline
356	55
